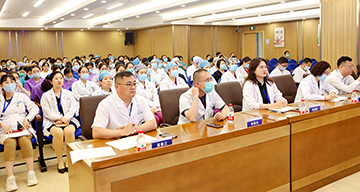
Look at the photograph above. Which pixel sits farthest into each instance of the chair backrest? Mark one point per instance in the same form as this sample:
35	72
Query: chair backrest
313	63
292	66
231	92
169	102
88	106
287	87
358	70
272	64
301	61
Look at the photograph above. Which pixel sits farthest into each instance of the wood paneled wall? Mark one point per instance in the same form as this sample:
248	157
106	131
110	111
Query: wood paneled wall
338	30
4	45
181	41
163	41
143	42
96	42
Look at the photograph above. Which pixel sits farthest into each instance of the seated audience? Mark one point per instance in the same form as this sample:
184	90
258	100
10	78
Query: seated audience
280	69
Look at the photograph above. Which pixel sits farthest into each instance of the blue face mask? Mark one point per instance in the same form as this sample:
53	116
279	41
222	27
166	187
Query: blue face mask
103	71
161	65
209	70
90	70
233	67
149	71
12	66
165	60
36	75
84	76
283	68
10	87
208	87
247	66
223	67
67	79
322	77
30	76
131	70
174	73
154	65
142	77
76	67
306	68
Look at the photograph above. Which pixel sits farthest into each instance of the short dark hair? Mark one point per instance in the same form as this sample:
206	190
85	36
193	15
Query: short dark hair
307	60
144	60
245	59
343	59
82	67
218	53
283	60
197	73
320	68
286	52
68	70
218	62
6	76
120	76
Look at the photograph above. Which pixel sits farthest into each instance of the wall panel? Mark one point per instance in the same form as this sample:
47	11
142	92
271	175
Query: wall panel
181	41
311	48
95	42
143	43
4	45
163	41
200	41
226	39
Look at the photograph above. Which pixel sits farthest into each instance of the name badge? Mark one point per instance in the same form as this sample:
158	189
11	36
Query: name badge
314	108
161	142
254	121
359	99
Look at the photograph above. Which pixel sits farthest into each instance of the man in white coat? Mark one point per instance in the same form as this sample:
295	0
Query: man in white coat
124	112
281	68
200	101
341	78
303	69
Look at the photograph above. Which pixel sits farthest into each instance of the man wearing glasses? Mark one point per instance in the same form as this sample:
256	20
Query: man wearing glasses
123	112
341	78
281	68
201	100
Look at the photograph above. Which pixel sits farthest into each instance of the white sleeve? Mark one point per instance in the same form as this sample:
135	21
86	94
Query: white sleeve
305	89
96	87
330	89
336	82
297	76
48	113
218	101
74	107
101	116
249	95
148	115
185	102
31	107
163	86
75	90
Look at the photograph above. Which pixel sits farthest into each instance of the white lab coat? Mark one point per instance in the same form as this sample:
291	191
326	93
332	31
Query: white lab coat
81	90
50	109
213	100
112	112
191	70
43	74
298	74
278	72
343	84
113	72
158	76
252	96
241	70
309	89
149	92
167	83
15	112
228	76
102	92
213	70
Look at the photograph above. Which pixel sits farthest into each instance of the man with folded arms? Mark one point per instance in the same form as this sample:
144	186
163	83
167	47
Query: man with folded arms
201	100
341	78
123	112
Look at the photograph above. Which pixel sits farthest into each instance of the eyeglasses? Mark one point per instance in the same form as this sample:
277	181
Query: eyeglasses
208	80
129	85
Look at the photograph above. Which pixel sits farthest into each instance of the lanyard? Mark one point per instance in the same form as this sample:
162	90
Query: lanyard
130	109
266	95
59	104
6	106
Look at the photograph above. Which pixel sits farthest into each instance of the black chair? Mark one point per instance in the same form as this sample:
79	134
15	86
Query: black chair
169	102
231	92
286	85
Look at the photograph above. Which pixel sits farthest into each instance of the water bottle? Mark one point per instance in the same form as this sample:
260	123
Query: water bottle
354	97
141	141
302	107
231	114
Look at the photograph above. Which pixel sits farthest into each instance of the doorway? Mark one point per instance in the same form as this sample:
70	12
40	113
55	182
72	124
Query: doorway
253	44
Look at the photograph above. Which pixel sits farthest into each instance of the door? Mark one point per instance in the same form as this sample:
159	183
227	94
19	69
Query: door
249	47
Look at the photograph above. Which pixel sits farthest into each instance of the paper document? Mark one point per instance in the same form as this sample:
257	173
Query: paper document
16	134
340	98
91	153
282	110
128	142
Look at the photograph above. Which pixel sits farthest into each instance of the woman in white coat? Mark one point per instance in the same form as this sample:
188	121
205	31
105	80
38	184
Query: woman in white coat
59	107
314	86
106	82
13	106
157	74
243	70
83	87
232	74
260	92
172	80
147	89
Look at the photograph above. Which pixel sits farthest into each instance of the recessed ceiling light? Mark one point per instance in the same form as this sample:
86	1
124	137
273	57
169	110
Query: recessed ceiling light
114	6
103	1
81	29
41	29
54	22
183	6
304	18
38	3
137	16
89	27
269	22
157	11
108	23
118	29
25	14
189	17
62	19
127	28
233	19
72	14
46	27
86	9
121	19
87	16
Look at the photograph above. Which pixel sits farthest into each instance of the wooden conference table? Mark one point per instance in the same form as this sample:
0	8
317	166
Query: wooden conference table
288	152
